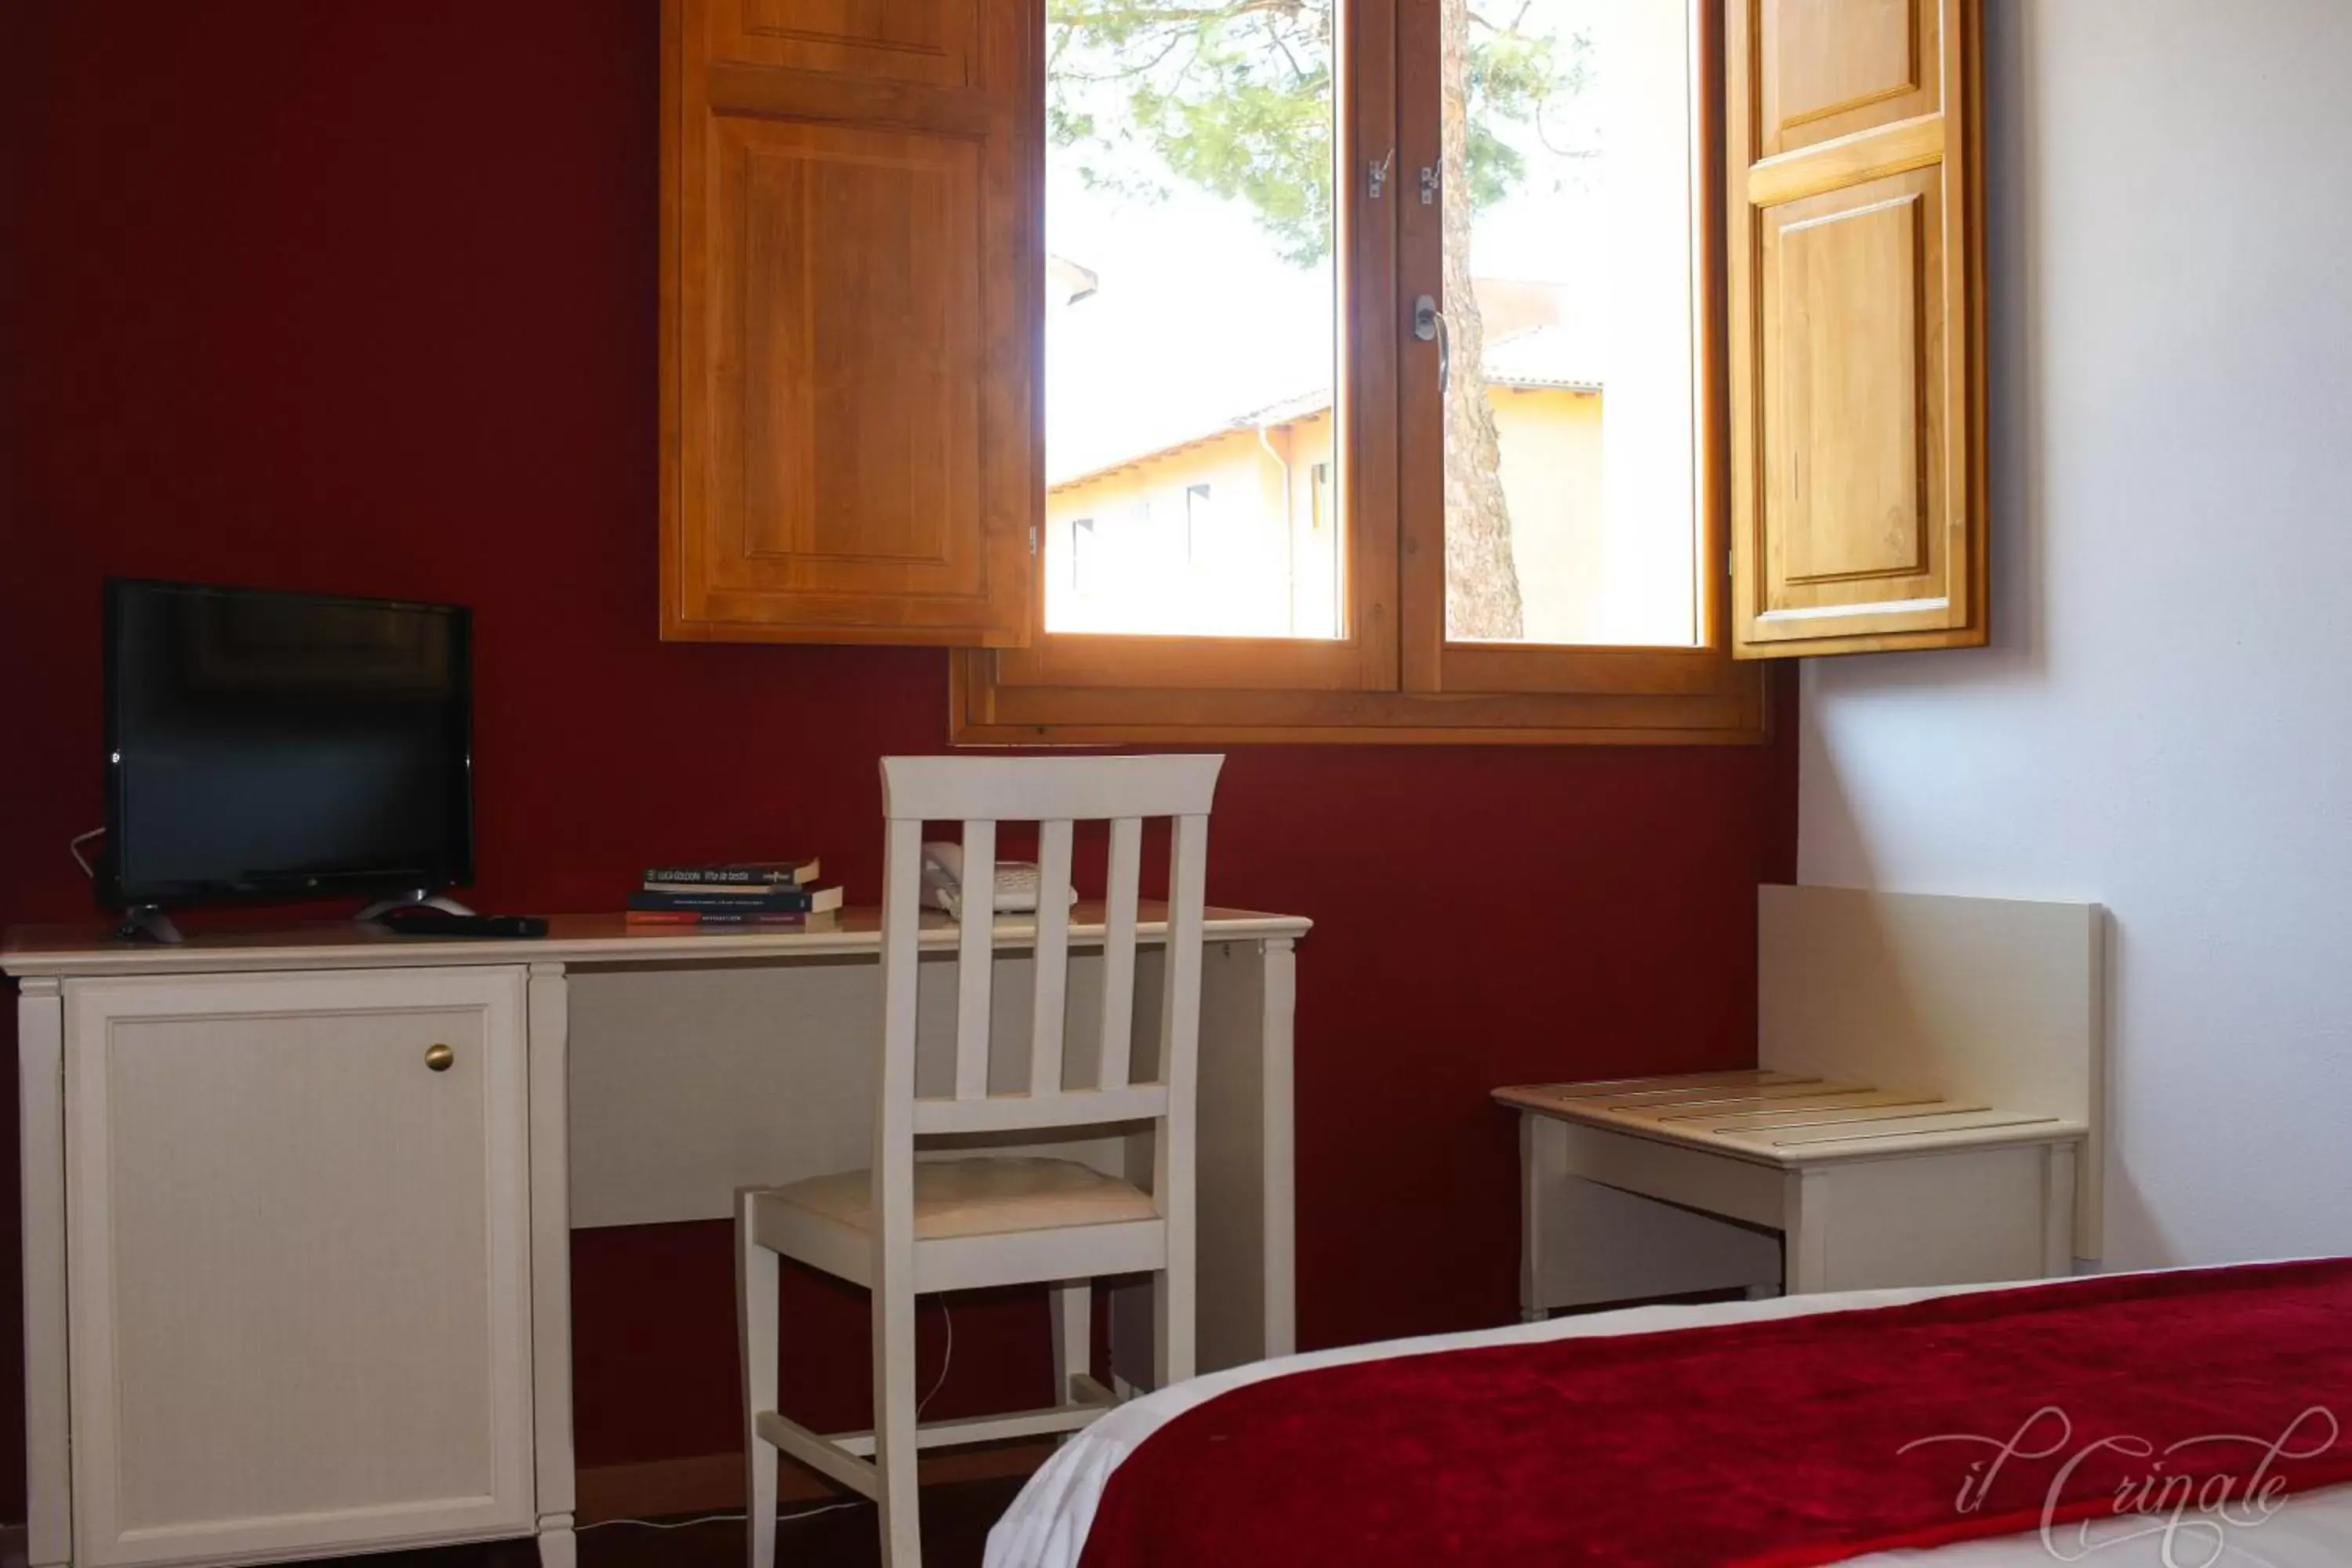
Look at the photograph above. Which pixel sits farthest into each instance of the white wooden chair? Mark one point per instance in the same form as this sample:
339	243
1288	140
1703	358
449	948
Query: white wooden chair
908	1225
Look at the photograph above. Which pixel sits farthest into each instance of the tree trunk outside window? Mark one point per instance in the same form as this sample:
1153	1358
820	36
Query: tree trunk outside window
1482	582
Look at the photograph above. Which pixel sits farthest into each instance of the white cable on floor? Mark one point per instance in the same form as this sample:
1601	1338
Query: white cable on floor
947	1358
715	1518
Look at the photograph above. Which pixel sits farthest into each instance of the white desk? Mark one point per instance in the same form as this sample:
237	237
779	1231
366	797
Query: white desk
226	1143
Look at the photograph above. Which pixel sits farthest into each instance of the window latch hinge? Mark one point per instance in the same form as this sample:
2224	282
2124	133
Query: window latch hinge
1428	186
1033	539
1376	174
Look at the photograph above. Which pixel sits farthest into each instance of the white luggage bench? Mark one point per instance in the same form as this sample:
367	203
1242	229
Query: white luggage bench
1924	1111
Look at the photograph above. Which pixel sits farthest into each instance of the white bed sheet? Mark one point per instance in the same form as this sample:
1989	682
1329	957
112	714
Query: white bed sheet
1047	1526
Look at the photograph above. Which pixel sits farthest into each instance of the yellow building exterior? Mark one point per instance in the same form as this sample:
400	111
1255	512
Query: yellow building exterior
1236	533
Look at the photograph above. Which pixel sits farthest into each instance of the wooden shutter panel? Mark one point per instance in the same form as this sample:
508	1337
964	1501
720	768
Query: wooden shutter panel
851	298
1856	248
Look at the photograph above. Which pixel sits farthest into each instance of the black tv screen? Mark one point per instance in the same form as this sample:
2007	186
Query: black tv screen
269	746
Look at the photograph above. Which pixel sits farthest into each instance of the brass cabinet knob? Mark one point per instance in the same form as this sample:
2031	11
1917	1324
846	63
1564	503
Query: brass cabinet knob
439	1057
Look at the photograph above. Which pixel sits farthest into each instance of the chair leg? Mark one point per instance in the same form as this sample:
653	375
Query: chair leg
897	1497
756	1333
1172	1324
1074	1307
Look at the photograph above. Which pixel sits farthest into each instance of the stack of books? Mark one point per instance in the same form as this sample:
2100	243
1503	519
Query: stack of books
740	893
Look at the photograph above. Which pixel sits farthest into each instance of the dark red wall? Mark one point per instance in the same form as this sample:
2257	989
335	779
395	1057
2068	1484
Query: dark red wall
361	298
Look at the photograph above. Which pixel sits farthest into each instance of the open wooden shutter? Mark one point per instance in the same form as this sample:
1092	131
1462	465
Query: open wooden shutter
1856	251
851	292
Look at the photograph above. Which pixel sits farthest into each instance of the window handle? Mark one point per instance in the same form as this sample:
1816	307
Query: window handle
1428	324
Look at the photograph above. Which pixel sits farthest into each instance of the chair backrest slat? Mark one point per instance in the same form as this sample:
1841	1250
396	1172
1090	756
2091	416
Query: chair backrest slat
894	1125
1058	794
1173	1173
1120	894
1049	998
1180	1029
975	955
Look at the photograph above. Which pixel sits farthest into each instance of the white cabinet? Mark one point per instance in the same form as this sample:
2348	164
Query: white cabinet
298	1262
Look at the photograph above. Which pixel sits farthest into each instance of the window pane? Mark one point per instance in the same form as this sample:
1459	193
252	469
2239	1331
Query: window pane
1189	336
1569	243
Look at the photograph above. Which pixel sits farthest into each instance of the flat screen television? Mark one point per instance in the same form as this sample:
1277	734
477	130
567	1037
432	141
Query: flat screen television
272	746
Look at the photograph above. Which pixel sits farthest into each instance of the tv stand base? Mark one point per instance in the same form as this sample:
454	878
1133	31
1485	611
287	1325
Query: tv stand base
148	923
415	898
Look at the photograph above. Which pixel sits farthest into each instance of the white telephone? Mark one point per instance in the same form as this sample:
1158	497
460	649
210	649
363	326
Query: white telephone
1016	880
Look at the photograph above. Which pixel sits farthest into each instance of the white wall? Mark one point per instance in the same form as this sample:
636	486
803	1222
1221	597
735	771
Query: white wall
2164	724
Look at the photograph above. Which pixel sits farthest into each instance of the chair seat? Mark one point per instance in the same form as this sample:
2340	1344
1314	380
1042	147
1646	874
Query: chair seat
980	1197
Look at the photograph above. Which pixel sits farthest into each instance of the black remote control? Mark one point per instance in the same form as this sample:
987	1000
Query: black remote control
417	920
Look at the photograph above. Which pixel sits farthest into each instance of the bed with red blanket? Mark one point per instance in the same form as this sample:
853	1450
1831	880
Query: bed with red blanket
2195	1418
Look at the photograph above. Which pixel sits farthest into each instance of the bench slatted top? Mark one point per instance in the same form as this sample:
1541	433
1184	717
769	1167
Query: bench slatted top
1784	1118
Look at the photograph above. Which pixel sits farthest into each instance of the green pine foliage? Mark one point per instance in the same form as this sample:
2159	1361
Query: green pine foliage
1235	96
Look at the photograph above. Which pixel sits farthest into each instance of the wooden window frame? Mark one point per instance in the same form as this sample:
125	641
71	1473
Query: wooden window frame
1394	677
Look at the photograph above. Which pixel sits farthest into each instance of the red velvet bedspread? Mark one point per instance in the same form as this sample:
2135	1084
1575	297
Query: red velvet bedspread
1769	1445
